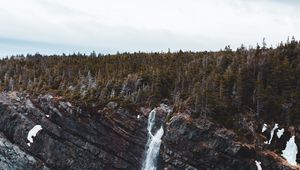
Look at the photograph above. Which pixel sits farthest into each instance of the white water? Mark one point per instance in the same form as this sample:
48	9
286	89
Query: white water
264	128
290	151
153	143
258	165
272	132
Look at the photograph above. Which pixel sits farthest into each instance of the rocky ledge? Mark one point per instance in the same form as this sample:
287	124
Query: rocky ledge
202	144
71	137
114	137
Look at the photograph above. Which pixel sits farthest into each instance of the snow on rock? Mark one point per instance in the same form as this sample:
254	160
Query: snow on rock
13	95
112	105
290	151
166	108
65	105
55	111
272	133
264	128
32	133
29	104
69	104
138	116
258	165
280	132
49	97
72	88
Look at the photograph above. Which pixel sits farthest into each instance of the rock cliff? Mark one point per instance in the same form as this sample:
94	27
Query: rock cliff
114	137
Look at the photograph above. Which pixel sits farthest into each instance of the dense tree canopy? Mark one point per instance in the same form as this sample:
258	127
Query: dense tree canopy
262	81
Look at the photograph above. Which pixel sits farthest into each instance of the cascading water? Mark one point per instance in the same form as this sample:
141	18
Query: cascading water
153	143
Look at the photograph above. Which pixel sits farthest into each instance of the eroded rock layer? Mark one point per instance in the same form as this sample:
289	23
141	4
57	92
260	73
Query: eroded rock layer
114	137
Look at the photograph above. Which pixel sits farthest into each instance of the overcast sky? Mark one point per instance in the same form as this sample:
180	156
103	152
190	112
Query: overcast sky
57	26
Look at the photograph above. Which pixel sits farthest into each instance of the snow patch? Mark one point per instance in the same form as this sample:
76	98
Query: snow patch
49	97
166	108
72	88
69	104
138	117
280	132
29	104
14	95
47	116
264	128
32	133
272	132
258	165
290	151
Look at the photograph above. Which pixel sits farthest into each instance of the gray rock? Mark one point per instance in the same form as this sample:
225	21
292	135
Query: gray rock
71	141
113	138
112	105
13	158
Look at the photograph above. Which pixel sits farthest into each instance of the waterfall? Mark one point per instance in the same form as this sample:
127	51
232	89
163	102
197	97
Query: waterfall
153	143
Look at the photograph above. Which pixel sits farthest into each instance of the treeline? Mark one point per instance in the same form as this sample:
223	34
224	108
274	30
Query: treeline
261	81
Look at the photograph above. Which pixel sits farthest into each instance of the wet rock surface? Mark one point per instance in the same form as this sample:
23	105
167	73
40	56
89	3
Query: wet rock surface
114	137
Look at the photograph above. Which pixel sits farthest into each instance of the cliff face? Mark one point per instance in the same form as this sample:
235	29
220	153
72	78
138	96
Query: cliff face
71	138
114	137
202	144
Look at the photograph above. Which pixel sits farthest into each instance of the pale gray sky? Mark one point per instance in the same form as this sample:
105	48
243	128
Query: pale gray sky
57	26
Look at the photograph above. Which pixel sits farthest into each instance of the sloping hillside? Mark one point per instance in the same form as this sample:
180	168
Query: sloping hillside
226	110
